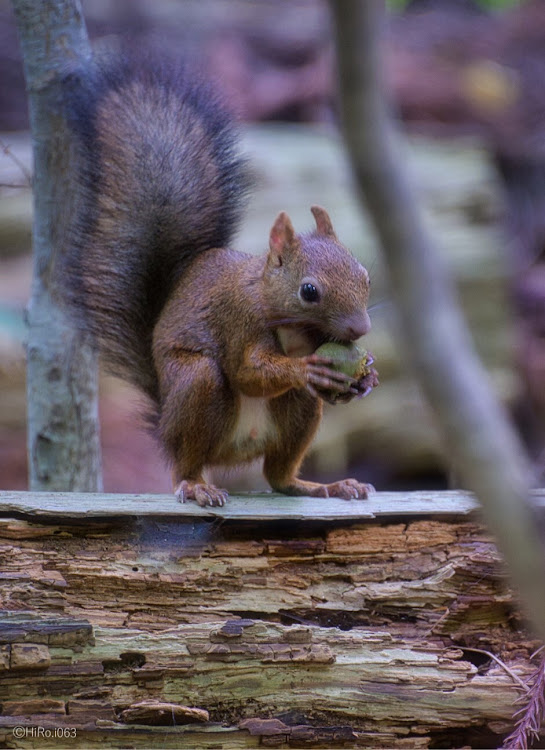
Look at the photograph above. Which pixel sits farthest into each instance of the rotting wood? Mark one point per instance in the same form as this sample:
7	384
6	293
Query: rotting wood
255	507
344	629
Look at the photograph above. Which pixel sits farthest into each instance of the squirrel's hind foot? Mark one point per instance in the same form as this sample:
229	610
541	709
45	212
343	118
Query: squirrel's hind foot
349	489
346	489
203	494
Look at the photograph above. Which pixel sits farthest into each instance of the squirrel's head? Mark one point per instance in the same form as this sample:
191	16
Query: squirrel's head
314	284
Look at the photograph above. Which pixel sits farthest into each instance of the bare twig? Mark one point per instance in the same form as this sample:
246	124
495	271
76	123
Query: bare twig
498	661
438	622
485	451
23	167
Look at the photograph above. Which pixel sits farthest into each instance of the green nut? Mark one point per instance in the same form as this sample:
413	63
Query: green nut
347	358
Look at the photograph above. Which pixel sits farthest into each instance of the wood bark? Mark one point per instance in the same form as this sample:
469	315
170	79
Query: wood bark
282	622
62	380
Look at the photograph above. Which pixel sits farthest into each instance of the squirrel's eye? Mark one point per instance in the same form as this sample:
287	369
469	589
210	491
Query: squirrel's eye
309	293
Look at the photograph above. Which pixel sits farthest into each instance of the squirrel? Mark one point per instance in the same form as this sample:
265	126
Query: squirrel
221	342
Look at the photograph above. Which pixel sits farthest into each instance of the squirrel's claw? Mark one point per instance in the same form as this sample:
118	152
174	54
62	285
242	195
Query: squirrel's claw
367	383
350	489
327	379
205	495
363	388
326	383
346	489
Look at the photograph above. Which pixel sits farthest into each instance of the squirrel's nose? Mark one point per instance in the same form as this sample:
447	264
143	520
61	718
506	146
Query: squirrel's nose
357	326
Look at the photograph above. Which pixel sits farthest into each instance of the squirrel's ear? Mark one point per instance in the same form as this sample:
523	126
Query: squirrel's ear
323	222
282	238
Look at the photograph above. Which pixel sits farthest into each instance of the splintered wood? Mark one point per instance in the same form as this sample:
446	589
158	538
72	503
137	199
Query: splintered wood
127	624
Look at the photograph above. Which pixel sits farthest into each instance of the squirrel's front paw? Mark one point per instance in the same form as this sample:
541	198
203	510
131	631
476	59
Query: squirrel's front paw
367	383
363	388
321	379
203	494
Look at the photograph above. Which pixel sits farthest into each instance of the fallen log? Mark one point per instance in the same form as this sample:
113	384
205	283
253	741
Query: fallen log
136	621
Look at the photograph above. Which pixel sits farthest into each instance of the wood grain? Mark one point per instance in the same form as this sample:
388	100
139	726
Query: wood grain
136	621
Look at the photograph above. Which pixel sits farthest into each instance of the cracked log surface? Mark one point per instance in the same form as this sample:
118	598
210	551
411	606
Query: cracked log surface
274	622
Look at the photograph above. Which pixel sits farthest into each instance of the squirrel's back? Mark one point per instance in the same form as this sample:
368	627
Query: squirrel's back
159	181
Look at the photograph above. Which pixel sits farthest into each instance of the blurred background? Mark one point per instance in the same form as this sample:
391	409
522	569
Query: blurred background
467	81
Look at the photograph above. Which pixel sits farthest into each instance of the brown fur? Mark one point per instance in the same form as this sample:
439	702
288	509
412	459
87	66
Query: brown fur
159	180
221	342
217	341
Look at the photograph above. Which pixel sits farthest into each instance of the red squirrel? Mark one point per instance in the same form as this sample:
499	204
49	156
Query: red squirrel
221	342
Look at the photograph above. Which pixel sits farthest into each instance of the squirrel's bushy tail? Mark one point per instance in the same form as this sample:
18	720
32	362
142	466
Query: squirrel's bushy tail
159	180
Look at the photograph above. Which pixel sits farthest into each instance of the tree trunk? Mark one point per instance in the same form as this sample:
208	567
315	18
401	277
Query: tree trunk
62	382
136	621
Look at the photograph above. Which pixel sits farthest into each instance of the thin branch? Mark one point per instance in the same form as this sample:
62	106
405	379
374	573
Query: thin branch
27	174
498	661
485	451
